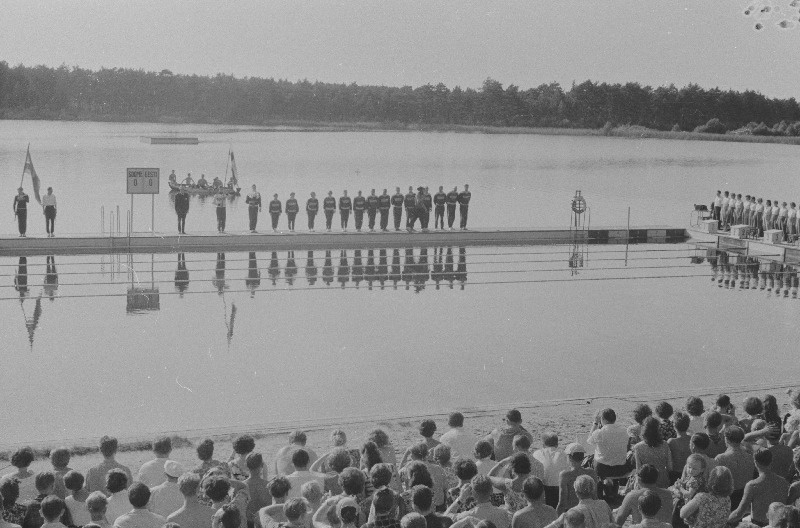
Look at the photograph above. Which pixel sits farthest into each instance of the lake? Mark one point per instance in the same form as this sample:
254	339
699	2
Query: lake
136	344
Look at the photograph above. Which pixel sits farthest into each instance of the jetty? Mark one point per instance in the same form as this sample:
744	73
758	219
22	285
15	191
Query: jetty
246	241
169	140
761	248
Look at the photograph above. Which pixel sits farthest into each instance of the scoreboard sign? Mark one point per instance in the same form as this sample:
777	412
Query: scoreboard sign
143	181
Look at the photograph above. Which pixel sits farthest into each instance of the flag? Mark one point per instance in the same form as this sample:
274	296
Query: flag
34	178
234	171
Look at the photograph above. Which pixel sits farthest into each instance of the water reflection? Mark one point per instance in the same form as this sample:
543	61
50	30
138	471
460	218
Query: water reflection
274	270
253	280
732	271
291	268
21	278
181	275
50	285
219	275
311	269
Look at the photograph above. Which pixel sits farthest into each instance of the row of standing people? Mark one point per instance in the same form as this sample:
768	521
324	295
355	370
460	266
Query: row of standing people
20	207
731	209
416	206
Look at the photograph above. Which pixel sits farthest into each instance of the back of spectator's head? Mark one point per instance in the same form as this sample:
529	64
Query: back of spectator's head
22	457
352	481
45	481
339	438
649	504
312	491
418	473
243	444
205	450
380	438
485	523
59	457
483	449
664	410
279	487
456	419
371	454
52	507
297	437
73	481
763	458
442	454
770	406
380	475
608	415
648	474
231	517
521	442
574	518
712	420
651	432
339	459
9	489
422	497
419	451
682	422
254	462
585	487
481	486
427	428
734	434
300	458
694	406
520	464
216	488
347	510
723	401
413	520
96	502
383	501
575	452
138	495
189	483
116	480
641	411
753	406
549	439
514	416
294	508
533	488
700	441
465	469
162	446
720	481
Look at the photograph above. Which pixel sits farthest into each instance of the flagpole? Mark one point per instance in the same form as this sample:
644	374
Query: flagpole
27	155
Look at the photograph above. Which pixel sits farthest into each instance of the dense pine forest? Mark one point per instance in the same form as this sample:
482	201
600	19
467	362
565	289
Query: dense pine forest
135	95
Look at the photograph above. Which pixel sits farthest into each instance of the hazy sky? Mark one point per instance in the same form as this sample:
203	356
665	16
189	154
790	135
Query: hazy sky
709	42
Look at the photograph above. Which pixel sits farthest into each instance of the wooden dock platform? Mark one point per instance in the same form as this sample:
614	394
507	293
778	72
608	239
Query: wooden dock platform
751	247
245	241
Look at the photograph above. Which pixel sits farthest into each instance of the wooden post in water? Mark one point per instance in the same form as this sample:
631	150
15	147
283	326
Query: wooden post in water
628	238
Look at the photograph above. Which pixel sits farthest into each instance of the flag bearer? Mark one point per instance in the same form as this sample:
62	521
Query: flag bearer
21	210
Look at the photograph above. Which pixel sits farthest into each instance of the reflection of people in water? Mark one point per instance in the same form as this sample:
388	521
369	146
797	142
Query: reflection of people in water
369	271
253	280
408	267
358	268
395	274
327	269
219	274
343	274
421	271
438	260
449	276
311	269
291	268
274	268
51	278
181	275
461	270
383	268
21	278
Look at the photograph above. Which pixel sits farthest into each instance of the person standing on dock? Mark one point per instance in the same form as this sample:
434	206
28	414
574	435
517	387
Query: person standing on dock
372	209
345	205
219	202
723	215
312	206
410	202
292	208
463	201
21	211
397	204
275	210
427	202
452	200
359	204
759	221
384	204
438	201
791	219
329	205
181	208
716	208
49	209
746	210
253	201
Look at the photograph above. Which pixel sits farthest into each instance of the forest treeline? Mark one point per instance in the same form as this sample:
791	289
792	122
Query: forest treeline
119	94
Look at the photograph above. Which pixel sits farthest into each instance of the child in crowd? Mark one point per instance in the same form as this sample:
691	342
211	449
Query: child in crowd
687	487
666	426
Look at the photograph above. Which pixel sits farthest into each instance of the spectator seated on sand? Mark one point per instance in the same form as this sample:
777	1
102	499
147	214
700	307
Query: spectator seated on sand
59	458
419	454
45	483
640	413
139	516
511	488
753	408
685	488
481	489
460	441
502	438
117	486
381	477
52	509
520	444
647	482
228	516
610	441
96	476
649	505
695	409
413	520
666	425
13	512
339	441
386	448
566	480
301	474
465	470
483	457
738	461
75	502
653	450
257	486
794	488
713	428
698	445
312	492
192	512
279	491
97	506
760	492
442	457
416	474
536	514
383	505
553	461
167	498
3	522
596	512
151	473
22	459
222	490
336	461
205	452
427	428
680	446
283	458
242	446
422	501
712	507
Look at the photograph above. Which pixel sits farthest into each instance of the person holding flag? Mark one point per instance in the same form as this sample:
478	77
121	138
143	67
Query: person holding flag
21	210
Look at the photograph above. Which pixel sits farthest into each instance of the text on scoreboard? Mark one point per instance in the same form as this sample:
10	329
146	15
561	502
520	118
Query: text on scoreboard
143	181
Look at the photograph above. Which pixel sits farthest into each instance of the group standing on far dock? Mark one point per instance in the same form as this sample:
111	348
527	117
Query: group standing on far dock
730	209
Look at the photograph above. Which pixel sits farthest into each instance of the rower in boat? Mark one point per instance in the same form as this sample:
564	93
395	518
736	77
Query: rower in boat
202	182
188	180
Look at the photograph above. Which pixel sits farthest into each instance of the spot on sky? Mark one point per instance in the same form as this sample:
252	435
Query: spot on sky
749	10
759	26
786	24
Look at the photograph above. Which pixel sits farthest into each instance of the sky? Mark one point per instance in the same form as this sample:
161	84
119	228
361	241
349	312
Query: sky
403	42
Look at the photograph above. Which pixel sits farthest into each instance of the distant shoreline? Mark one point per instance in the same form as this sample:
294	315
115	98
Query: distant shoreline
631	132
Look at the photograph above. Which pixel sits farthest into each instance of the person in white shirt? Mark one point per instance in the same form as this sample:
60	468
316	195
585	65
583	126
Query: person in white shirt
193	512
746	210
791	222
139	516
51	509
775	210
151	474
717	208
738	210
49	209
283	458
554	461
166	498
611	445
301	474
461	442
76	502
117	486
724	211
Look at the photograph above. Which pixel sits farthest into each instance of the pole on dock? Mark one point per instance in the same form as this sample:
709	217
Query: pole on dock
153	214
119	230
628	238
102	220
131	215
